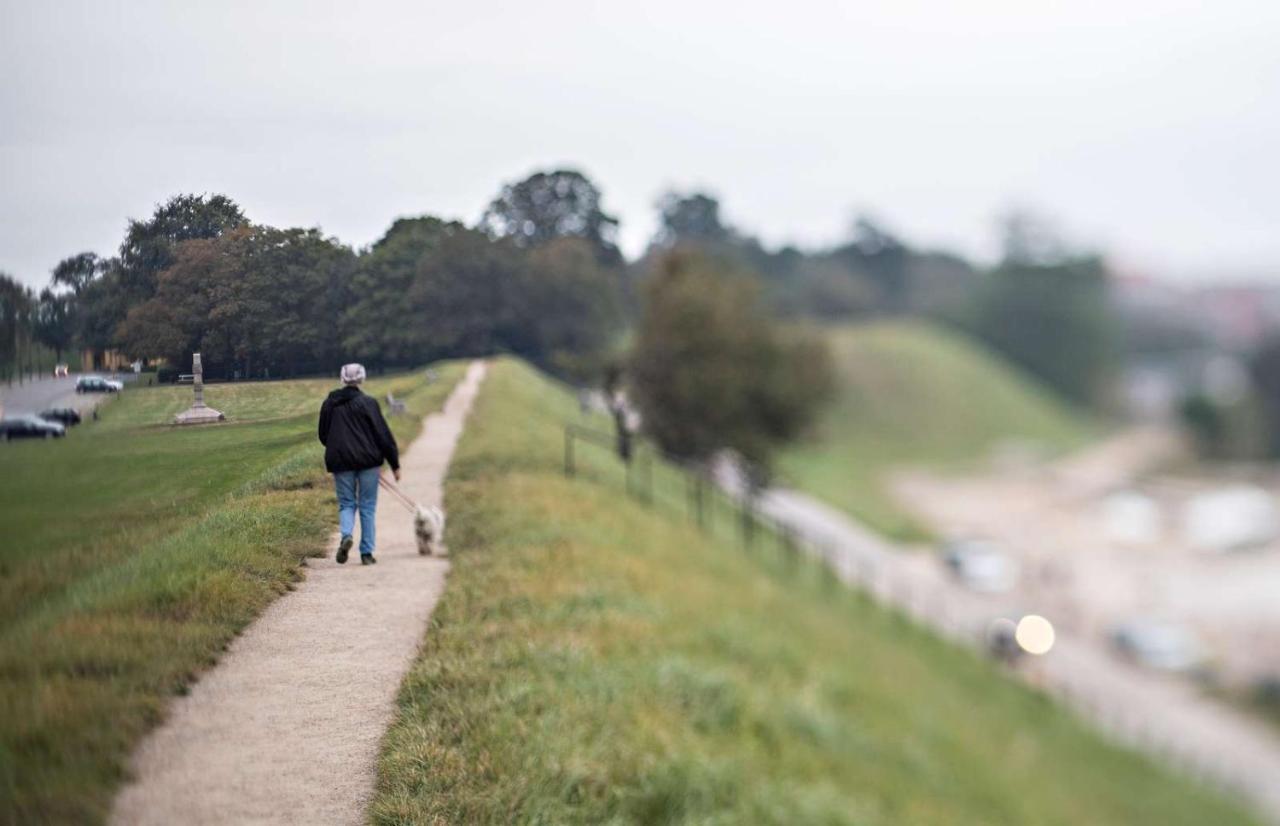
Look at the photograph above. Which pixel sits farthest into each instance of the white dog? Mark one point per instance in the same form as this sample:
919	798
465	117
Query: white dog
428	523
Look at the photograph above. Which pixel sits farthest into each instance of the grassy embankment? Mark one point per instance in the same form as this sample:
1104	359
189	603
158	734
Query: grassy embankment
912	394
132	553
596	661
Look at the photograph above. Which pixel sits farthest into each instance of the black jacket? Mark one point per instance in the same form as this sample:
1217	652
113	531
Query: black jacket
354	434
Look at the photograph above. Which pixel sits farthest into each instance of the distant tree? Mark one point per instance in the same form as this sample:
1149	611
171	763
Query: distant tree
430	289
1265	370
691	218
17	310
100	306
710	370
939	284
54	325
148	246
254	298
466	295
1054	320
877	255
77	271
563	203
1031	239
381	326
822	288
570	308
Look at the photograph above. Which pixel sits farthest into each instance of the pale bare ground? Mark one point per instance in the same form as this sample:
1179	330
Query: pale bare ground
1166	716
285	729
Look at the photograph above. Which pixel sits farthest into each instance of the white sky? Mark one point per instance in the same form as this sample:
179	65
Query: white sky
1150	127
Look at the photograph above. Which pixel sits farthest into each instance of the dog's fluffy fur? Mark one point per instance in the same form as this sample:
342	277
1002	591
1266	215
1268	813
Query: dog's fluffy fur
428	524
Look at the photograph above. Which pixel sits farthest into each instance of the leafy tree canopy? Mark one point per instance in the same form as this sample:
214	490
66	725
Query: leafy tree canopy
148	245
694	217
563	203
711	370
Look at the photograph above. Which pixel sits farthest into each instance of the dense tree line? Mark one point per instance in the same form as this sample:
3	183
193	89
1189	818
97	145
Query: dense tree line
540	275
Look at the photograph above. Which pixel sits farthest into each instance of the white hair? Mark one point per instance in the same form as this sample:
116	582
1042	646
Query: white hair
352	373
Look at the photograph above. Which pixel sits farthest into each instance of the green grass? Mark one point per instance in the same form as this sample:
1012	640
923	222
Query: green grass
597	661
133	552
910	394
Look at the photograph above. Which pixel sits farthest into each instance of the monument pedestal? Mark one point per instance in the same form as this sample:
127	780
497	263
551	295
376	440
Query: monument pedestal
199	412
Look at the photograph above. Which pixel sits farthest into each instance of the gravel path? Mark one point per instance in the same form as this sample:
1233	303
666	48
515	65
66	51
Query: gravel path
286	728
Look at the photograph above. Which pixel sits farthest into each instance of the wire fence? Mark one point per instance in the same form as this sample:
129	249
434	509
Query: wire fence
903	586
661	481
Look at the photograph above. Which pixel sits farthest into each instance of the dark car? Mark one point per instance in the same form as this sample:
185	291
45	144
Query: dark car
29	427
65	416
97	384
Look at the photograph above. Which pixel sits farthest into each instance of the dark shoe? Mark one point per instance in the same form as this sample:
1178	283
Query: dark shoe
344	547
367	559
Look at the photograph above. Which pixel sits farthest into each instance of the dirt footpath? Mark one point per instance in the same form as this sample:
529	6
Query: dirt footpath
285	729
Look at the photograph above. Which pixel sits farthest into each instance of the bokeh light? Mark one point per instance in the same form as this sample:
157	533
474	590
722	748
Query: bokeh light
1034	634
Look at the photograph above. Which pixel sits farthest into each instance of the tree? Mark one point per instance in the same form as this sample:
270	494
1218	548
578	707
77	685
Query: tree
17	308
148	246
560	204
254	299
54	325
710	370
1265	370
466	296
99	307
381	326
77	271
1031	239
1054	320
692	218
570	308
877	255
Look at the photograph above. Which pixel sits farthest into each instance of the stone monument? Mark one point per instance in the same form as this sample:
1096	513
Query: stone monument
198	413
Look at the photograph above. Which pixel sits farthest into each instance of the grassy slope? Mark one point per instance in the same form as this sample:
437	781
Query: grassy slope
593	661
909	393
132	553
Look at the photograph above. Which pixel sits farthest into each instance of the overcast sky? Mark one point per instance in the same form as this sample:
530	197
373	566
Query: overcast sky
1149	127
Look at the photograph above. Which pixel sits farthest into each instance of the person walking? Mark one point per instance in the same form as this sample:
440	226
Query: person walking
356	442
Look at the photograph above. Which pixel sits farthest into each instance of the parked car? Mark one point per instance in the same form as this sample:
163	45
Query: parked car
97	384
65	416
60	371
1160	645
981	565
29	427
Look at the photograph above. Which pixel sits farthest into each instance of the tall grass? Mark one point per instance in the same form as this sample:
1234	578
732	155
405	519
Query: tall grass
597	661
132	553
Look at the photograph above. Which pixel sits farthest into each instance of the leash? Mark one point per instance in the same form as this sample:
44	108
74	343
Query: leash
399	495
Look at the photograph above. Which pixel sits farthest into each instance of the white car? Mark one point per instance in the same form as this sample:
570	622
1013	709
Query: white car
1163	646
981	565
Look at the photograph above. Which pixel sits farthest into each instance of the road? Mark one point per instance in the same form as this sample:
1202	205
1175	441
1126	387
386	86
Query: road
1165	716
43	393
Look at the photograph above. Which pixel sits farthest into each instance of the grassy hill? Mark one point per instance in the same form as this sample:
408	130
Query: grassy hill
913	394
594	660
132	552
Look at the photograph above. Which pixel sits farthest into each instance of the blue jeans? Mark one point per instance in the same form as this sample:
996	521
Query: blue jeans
358	489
